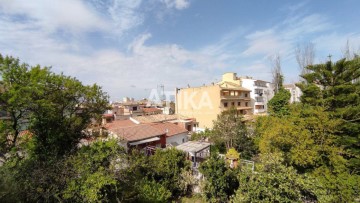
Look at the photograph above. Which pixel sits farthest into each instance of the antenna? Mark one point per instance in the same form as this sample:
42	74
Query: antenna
329	57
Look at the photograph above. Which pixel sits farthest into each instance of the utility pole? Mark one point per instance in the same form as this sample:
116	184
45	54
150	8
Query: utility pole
163	92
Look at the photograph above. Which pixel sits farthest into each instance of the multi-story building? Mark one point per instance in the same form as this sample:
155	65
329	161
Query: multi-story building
261	93
294	91
205	103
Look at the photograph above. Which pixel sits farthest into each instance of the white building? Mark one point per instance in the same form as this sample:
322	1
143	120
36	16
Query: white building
294	91
261	93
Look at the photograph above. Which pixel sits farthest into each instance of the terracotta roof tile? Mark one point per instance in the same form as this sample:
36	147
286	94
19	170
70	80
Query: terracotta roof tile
137	132
150	110
158	118
171	128
131	131
119	123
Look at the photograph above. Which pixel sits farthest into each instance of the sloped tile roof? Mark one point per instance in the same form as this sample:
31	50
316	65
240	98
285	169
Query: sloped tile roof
119	124
171	128
158	118
149	110
130	131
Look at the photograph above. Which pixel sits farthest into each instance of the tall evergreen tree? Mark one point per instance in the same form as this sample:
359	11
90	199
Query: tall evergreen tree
336	87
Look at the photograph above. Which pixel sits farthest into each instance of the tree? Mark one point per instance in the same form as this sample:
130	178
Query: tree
305	56
305	138
307	141
54	107
166	167
151	191
220	181
14	99
279	104
94	173
228	127
272	182
336	87
276	72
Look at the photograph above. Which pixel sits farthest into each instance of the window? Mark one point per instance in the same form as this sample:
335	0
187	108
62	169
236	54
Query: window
225	93
259	91
225	104
239	103
183	140
259	99
245	94
232	103
246	104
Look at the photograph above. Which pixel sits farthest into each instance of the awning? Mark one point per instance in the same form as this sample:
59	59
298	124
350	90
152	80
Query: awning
193	146
145	141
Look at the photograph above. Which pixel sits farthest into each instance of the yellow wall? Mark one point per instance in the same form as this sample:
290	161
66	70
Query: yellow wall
206	102
231	77
202	103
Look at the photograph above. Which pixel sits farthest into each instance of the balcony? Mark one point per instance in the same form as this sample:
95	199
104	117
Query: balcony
234	98
259	111
229	97
259	103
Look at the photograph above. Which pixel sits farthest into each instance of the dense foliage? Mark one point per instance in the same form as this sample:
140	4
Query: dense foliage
55	108
273	182
336	88
221	182
279	104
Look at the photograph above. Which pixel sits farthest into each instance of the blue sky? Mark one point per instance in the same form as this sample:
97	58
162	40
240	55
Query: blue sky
130	47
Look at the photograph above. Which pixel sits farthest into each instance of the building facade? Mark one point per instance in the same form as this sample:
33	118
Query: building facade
294	91
261	93
206	102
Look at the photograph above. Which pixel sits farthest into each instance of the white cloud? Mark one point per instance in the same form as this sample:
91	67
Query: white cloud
177	4
265	43
141	65
67	15
125	15
334	44
282	37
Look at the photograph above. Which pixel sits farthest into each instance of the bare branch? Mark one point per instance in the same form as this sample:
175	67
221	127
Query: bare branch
305	55
276	71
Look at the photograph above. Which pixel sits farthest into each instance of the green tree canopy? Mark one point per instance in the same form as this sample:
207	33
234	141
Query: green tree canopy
55	108
272	182
336	87
220	181
279	104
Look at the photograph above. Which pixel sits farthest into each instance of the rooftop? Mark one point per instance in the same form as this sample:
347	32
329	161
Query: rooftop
157	118
150	110
119	124
289	86
170	128
193	146
136	132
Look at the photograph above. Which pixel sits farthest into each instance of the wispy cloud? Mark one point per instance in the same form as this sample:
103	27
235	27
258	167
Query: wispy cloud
73	16
125	14
177	4
282	37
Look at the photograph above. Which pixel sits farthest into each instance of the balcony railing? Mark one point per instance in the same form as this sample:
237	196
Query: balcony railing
259	110
233	97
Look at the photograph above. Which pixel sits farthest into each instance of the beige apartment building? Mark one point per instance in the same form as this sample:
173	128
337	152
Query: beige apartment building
206	102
